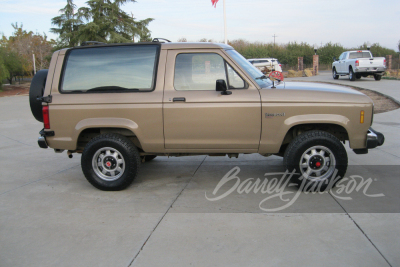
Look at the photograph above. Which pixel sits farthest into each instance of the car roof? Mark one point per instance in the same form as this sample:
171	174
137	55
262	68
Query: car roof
185	45
353	51
164	46
269	58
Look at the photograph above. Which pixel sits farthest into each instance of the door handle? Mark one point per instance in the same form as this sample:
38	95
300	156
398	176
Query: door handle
179	99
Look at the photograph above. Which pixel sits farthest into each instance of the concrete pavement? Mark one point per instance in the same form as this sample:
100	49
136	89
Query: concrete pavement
50	215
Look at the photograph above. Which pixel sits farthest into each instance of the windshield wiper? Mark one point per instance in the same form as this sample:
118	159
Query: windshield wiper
262	77
114	88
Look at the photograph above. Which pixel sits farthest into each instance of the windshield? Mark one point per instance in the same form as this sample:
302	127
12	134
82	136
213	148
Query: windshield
252	71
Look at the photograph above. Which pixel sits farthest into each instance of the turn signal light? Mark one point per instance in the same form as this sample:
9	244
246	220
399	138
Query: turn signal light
46	117
362	116
357	63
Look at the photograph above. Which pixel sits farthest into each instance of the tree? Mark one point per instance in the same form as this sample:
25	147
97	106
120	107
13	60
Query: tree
18	50
142	30
13	65
3	70
107	22
68	25
328	51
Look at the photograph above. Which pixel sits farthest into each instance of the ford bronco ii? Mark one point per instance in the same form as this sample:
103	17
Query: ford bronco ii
124	104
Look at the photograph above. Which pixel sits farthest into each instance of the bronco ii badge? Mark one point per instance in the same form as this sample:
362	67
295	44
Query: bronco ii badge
270	115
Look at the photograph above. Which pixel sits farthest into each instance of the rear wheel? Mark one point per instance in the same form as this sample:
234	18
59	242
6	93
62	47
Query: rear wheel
352	77
319	158
110	162
334	74
377	77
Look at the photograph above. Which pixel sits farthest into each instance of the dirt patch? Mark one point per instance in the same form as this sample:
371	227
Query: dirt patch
381	102
15	89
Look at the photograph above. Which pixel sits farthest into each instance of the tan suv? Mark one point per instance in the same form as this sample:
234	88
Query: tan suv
124	104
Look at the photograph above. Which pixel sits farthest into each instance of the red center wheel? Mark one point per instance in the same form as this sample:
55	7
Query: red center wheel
276	75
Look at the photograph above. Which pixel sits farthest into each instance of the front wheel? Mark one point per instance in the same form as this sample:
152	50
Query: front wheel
377	77
319	159
110	162
334	74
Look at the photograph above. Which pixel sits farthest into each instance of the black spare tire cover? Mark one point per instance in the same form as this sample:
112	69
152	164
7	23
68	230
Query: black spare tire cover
36	90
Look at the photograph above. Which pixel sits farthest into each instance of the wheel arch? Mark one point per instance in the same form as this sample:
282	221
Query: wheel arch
87	129
336	125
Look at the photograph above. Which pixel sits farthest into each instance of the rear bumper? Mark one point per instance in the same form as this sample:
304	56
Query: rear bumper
369	69
42	142
374	139
42	139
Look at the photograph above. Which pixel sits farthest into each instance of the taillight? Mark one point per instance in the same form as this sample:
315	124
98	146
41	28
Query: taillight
357	63
280	65
46	118
384	62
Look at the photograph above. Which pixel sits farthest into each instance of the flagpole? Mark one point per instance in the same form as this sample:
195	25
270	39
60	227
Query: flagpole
226	40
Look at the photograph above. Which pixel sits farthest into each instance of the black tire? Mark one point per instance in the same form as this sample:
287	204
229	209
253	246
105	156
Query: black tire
352	77
112	152
147	158
377	77
358	76
304	153
334	74
36	90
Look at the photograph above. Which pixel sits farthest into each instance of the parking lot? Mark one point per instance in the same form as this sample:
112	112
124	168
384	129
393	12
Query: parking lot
51	216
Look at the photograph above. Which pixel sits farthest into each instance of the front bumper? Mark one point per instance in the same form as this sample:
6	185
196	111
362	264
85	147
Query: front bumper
374	139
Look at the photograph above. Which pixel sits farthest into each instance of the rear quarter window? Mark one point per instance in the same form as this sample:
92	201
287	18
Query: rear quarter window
110	69
354	55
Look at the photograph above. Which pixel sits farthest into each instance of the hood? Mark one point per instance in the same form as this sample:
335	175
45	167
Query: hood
312	92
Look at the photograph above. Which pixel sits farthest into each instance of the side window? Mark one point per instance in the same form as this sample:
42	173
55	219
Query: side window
200	71
235	81
118	68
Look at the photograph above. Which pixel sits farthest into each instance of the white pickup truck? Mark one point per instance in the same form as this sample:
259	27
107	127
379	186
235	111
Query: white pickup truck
358	63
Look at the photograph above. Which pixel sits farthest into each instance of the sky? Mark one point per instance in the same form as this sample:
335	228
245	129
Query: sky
350	23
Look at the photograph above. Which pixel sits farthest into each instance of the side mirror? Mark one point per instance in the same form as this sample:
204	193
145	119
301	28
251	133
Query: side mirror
334	59
220	86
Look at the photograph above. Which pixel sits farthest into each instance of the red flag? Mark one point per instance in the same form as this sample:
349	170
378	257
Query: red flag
214	2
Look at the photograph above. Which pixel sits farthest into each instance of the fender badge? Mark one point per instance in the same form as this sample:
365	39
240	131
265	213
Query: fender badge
270	115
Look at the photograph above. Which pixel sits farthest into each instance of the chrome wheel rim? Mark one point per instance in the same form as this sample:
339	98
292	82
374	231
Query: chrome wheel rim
334	73
317	163
108	164
351	75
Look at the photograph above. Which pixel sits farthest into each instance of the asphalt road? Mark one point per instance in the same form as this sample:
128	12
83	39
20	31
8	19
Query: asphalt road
51	216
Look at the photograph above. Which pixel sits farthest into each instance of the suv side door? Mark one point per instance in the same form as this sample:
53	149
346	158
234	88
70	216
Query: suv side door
196	116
